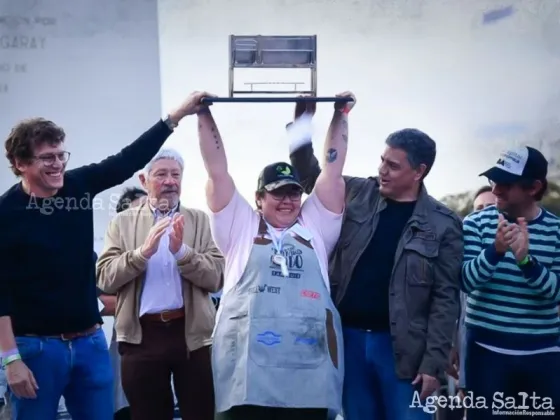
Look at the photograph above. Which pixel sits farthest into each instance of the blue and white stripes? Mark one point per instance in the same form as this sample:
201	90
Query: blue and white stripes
510	307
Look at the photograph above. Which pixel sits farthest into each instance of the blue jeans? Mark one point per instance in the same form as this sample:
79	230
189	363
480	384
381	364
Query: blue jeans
372	389
79	369
489	373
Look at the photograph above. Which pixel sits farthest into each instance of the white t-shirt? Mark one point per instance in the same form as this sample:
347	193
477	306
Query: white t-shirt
235	227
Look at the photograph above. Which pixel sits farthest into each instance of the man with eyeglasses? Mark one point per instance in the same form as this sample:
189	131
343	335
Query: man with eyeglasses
51	339
277	350
511	275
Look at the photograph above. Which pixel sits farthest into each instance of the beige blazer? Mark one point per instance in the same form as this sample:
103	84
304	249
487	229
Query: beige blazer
121	270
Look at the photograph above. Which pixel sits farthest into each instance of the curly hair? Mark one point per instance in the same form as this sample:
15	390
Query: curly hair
29	134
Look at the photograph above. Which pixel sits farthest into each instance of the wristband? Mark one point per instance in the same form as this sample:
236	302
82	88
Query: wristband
9	353
524	261
10	359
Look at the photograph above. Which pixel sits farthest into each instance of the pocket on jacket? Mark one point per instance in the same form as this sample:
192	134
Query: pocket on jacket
420	255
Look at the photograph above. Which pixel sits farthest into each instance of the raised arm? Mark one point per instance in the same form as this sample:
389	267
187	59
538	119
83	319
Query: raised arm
302	156
330	186
219	187
117	168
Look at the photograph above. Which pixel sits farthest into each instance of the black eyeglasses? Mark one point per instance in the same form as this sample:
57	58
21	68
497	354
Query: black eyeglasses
49	159
281	194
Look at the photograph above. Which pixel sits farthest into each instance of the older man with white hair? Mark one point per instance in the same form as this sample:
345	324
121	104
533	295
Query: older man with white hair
161	262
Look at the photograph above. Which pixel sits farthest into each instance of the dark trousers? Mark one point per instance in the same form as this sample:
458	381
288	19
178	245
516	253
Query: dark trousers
147	368
489	372
252	412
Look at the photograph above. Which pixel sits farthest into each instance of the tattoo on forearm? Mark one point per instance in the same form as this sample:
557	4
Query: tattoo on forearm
332	154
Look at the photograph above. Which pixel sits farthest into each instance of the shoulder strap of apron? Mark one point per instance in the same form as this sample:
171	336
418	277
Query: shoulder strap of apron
260	239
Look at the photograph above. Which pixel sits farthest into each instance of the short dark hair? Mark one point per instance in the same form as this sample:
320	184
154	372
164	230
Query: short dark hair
482	190
128	196
419	147
539	196
29	134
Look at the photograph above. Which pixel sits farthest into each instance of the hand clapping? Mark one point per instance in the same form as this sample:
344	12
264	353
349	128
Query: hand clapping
176	234
512	236
519	244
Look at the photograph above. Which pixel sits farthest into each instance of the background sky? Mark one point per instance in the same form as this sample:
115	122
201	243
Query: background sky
429	64
433	65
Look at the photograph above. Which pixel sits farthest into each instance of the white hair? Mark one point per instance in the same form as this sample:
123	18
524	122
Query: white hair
165	154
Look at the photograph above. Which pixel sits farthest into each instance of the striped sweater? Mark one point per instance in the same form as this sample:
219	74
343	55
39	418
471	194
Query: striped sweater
508	307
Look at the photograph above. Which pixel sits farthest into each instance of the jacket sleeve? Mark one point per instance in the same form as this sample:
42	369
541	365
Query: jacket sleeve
116	169
307	166
203	266
479	262
7	262
544	281
116	267
444	310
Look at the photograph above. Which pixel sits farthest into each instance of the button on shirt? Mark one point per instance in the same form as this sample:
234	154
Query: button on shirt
163	288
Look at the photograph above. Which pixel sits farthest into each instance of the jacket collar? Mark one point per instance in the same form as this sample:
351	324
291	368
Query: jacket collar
424	204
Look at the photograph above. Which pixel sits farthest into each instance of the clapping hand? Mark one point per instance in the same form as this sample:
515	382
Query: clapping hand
505	234
151	244
519	244
176	234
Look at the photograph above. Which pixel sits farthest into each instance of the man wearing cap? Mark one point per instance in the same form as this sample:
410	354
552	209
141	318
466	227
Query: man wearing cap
510	273
277	349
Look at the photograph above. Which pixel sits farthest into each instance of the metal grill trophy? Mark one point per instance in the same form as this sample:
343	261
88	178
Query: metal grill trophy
273	52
